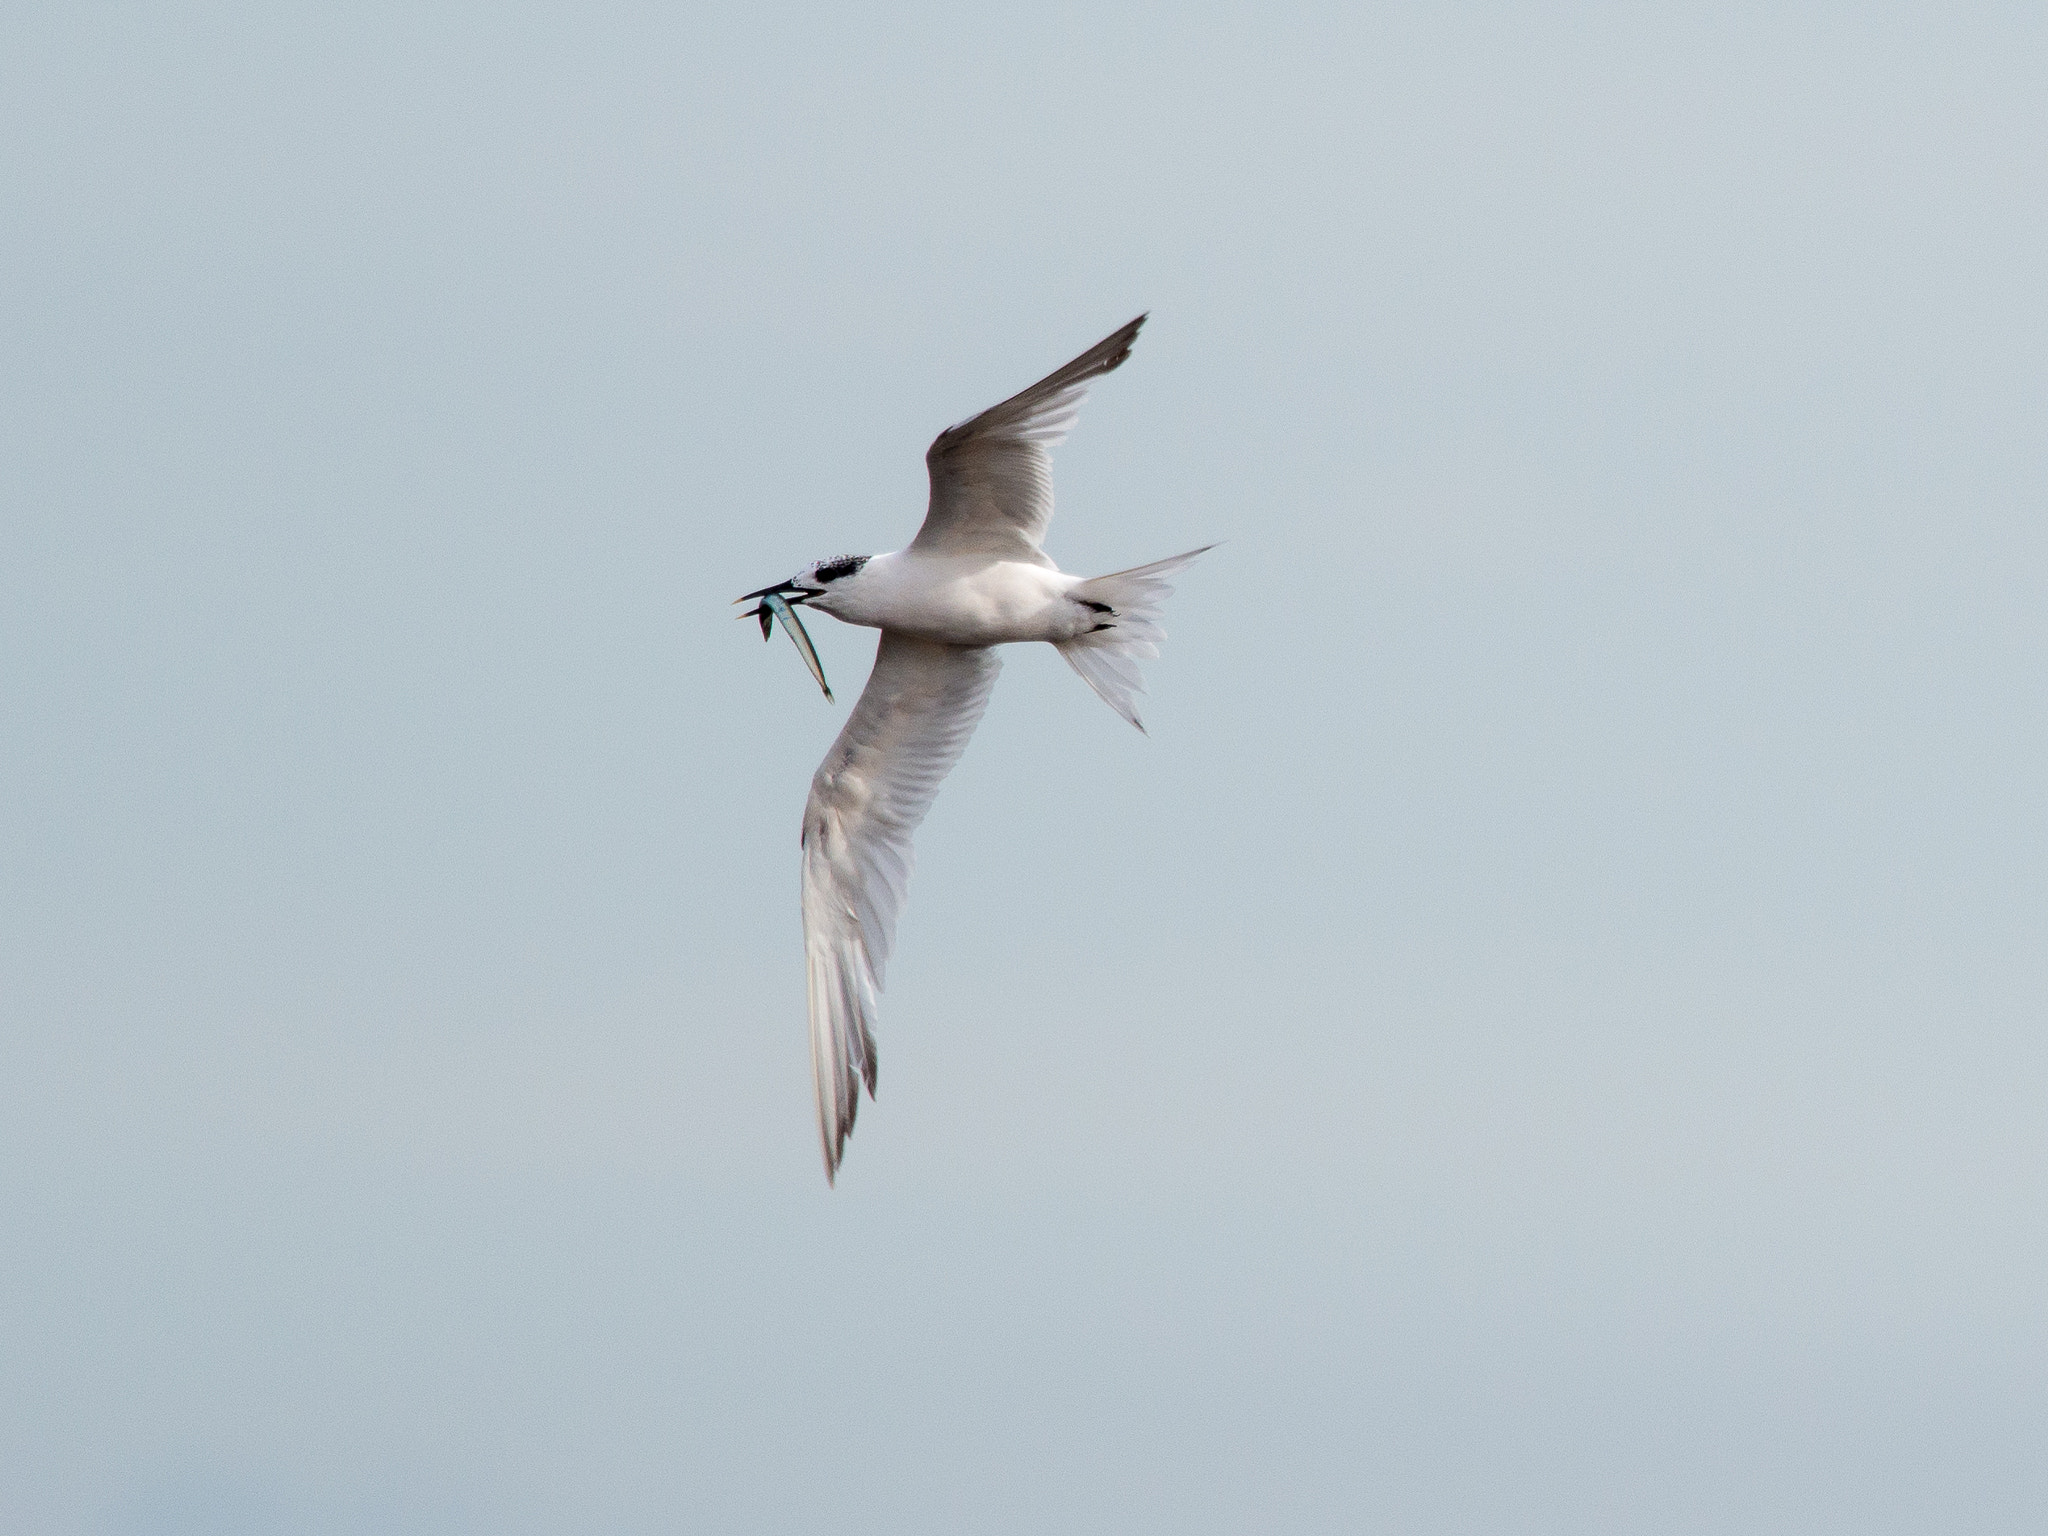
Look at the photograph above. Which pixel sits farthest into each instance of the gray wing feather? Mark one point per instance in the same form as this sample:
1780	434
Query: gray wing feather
921	704
992	475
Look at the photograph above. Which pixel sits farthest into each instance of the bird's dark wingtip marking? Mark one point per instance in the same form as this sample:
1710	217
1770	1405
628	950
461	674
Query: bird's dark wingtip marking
1129	337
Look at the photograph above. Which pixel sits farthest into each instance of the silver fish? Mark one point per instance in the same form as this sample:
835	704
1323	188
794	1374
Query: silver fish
794	628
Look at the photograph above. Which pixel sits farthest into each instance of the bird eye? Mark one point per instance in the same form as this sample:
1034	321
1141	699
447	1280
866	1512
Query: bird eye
845	565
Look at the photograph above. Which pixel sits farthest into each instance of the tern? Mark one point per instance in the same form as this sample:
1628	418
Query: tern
974	578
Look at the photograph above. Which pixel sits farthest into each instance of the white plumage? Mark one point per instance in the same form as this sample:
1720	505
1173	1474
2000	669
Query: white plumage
975	577
923	700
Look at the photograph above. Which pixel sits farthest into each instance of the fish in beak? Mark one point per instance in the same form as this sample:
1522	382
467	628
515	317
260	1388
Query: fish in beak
775	606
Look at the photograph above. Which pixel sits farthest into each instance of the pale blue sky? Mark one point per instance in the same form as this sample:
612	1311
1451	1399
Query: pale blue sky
1545	1036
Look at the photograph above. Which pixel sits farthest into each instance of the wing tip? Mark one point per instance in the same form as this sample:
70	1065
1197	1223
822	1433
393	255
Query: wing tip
1106	356
1126	337
834	1127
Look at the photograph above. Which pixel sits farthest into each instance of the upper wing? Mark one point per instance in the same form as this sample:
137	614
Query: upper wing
992	476
921	703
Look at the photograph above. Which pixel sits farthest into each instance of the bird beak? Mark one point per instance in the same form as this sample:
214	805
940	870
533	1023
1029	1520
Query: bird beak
774	607
787	589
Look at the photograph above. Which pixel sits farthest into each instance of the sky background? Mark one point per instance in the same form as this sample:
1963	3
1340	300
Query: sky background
1546	1035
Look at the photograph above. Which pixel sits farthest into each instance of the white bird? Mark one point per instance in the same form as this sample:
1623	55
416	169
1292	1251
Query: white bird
974	578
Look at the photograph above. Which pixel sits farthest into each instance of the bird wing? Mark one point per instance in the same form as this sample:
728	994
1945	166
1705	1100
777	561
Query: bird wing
992	475
921	703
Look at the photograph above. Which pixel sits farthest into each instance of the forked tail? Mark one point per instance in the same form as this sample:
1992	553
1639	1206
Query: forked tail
1131	604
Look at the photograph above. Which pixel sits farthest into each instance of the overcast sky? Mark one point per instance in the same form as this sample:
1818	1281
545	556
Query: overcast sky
1545	1036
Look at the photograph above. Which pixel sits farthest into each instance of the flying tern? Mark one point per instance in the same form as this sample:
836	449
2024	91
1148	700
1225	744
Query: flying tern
974	578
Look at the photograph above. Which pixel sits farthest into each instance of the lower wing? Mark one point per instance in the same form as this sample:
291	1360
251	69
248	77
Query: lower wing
922	702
